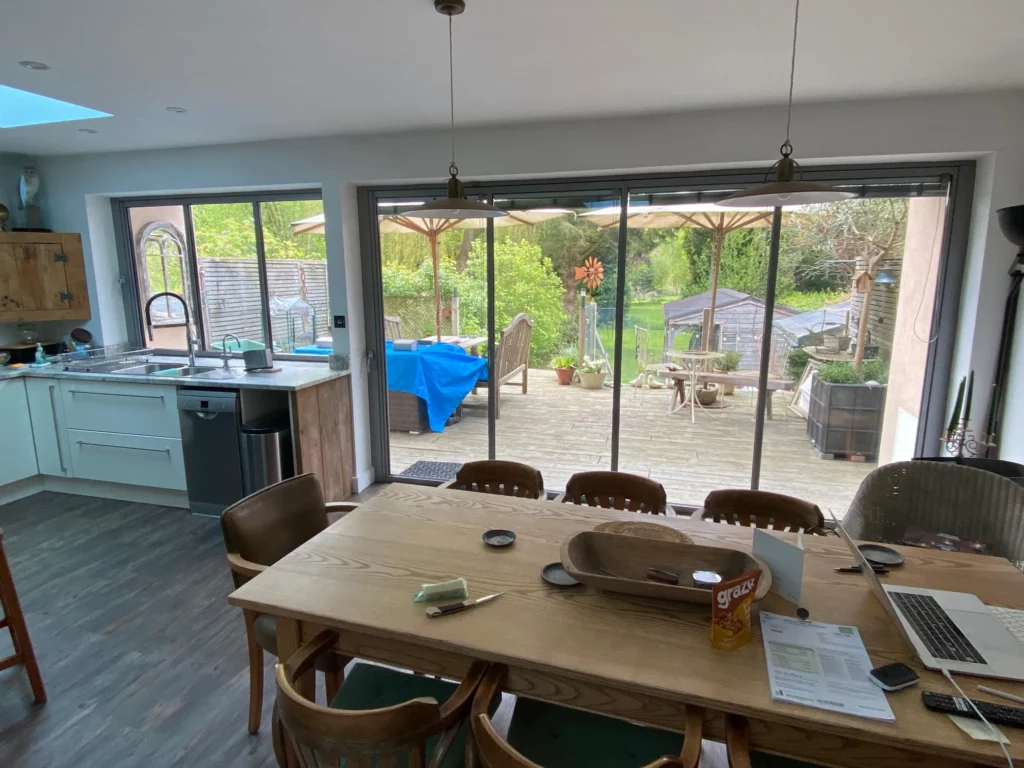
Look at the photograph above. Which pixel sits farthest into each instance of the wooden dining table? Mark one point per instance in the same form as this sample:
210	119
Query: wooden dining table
634	658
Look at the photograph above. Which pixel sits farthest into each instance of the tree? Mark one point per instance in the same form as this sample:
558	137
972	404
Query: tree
526	282
861	235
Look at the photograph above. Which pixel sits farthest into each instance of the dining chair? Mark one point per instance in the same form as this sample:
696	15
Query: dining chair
762	509
616	490
258	531
543	735
943	498
14	620
506	478
380	716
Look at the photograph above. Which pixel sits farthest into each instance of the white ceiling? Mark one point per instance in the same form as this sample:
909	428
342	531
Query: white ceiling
259	69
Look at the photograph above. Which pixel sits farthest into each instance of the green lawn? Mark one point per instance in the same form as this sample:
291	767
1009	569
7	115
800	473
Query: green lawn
646	314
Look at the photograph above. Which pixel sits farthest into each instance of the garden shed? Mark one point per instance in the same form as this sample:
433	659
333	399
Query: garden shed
739	322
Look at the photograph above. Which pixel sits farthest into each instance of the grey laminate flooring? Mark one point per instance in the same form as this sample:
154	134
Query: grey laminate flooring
143	659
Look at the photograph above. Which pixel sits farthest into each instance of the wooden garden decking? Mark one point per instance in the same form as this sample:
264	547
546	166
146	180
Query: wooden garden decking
561	430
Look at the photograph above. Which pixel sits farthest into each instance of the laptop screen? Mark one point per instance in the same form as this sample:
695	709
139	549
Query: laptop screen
873	582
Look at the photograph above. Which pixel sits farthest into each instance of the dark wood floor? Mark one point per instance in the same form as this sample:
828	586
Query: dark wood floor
143	659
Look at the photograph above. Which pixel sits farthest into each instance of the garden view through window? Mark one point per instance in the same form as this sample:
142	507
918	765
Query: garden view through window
850	335
253	274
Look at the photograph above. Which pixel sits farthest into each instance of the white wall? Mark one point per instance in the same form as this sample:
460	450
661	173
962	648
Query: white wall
983	126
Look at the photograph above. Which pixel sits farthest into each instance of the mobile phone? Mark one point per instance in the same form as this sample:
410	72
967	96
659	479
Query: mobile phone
893	677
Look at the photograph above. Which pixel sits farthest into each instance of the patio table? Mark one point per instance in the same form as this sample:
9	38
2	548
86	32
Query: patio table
441	374
694	361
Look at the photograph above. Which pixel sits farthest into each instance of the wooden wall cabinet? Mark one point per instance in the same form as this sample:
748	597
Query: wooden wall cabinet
42	277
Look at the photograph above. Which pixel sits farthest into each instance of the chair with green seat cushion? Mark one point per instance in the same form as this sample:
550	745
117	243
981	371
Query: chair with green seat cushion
553	736
549	736
368	686
379	717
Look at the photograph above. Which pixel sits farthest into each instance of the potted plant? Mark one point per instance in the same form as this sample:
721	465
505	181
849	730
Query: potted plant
564	366
707	394
844	416
592	373
728	364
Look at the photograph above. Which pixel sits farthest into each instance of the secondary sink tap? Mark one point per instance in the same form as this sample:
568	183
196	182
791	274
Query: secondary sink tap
192	341
225	355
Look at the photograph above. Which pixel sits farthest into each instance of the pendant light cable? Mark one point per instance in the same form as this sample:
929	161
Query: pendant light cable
788	145
454	169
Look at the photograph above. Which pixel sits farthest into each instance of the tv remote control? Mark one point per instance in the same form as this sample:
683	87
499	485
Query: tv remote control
997	714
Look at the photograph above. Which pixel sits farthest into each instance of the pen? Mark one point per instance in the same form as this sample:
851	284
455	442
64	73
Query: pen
1001	694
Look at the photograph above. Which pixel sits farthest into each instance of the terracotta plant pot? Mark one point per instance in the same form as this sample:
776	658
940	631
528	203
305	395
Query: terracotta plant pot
564	375
592	380
707	396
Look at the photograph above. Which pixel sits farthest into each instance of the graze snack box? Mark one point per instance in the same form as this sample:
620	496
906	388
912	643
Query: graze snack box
730	611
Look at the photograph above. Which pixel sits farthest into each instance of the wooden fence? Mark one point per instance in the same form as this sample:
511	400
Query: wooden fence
232	304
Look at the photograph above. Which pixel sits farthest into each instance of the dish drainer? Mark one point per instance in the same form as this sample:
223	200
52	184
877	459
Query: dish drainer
101	358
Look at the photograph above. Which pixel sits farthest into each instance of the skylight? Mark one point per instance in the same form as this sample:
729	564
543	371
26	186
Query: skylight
20	108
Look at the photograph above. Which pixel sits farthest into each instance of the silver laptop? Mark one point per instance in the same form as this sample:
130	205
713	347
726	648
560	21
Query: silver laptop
947	630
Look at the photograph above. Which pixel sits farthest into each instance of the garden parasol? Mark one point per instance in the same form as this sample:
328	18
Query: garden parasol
431	229
716	218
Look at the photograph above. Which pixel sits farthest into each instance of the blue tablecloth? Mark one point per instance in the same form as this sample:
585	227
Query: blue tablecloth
442	374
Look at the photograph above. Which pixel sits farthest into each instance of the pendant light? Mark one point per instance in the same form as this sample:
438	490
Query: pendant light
786	190
455	205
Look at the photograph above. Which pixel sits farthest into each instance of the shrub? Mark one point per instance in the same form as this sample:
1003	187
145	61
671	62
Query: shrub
524	282
844	373
730	362
797	362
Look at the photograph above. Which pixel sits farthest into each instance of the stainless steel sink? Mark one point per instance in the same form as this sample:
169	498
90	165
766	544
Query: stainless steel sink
146	369
187	370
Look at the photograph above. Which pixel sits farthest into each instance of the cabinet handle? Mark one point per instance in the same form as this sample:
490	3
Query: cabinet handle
115	394
56	430
126	447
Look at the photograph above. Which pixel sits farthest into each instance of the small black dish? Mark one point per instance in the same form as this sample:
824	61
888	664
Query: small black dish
499	538
876	554
555	574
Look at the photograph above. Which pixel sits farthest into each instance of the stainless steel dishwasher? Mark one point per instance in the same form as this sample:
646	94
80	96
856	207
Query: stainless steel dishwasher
210	424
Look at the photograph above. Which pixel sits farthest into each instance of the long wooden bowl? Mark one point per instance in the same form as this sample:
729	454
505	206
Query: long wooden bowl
619	563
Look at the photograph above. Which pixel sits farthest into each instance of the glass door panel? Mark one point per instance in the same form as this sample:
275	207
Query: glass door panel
851	333
162	265
555	268
691	267
229	274
437	393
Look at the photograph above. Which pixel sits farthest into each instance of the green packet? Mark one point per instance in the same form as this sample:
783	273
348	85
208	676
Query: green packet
453	589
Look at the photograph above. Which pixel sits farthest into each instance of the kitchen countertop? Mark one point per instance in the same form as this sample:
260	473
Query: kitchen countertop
292	376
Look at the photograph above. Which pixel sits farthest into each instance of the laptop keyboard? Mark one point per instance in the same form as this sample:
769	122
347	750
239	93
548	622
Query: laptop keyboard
940	635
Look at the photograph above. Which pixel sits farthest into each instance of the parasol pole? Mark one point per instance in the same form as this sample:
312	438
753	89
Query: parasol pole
716	260
432	237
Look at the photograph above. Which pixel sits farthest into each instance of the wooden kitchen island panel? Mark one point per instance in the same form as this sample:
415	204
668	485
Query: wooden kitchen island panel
322	437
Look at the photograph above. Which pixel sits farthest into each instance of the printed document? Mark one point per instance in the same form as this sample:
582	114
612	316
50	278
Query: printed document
821	665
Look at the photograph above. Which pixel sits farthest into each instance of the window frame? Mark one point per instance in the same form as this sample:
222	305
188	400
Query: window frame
131	281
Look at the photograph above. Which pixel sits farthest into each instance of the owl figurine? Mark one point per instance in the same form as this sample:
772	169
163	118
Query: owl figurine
28	187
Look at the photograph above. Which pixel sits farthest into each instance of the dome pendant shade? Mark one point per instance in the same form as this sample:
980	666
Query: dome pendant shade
786	190
455	205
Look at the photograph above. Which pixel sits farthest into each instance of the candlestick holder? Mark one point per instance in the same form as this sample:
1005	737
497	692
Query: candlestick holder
962	441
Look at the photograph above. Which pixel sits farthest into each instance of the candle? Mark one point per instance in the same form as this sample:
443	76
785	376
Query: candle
955	419
970	396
